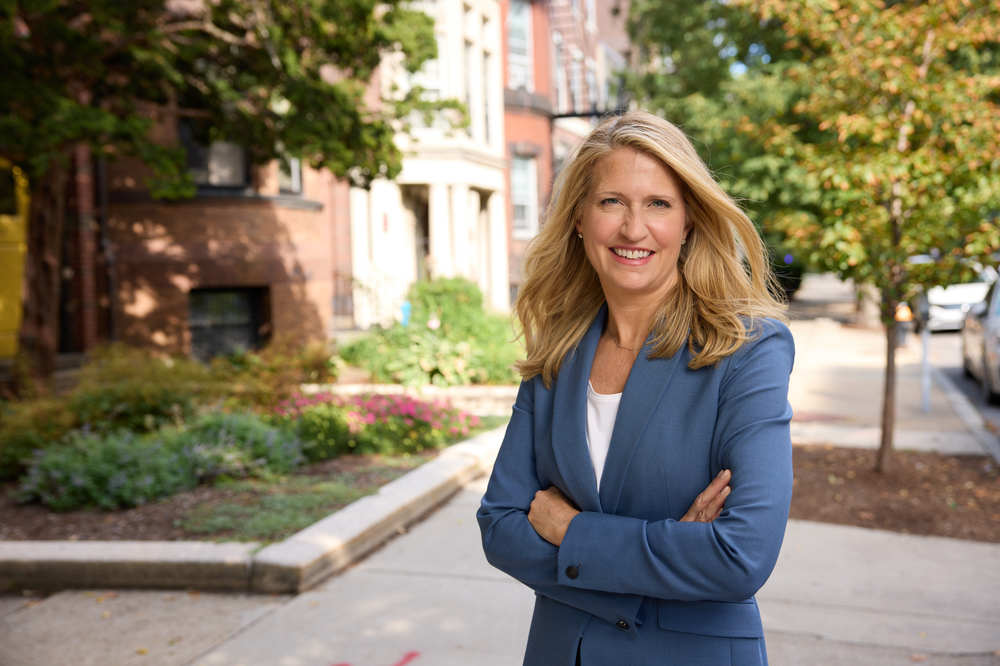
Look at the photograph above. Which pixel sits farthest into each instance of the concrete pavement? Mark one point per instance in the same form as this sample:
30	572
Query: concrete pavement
839	595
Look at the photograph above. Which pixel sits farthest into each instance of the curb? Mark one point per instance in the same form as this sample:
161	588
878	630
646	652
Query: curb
298	563
968	413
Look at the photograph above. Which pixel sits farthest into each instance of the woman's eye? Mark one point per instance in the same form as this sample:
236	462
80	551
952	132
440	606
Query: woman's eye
609	201
659	203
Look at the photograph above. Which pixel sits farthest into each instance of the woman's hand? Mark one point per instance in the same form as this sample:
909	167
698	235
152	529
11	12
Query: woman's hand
550	513
708	504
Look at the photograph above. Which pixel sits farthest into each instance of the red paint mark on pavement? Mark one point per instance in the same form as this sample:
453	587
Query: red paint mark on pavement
407	658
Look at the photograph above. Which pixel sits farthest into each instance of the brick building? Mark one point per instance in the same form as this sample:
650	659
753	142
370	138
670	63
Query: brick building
259	253
563	59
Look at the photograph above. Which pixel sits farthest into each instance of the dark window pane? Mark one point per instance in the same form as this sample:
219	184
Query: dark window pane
226	321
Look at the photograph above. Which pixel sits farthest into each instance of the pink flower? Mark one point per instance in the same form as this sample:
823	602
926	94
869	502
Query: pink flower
369	418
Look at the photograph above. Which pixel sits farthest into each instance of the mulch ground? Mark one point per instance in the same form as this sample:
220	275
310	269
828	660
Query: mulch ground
922	493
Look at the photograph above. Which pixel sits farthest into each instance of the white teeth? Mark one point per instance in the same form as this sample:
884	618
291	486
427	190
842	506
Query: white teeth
631	254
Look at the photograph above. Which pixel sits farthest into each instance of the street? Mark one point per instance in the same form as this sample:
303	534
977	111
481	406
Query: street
945	354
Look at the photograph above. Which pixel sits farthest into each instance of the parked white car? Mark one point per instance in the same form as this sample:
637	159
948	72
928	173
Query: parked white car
981	343
944	308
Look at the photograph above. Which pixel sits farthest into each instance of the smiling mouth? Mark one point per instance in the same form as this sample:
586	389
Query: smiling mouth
627	253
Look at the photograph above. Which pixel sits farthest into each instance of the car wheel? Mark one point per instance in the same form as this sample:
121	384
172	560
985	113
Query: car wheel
966	365
990	396
966	368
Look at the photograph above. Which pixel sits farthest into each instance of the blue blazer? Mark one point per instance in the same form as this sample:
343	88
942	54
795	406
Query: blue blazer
631	585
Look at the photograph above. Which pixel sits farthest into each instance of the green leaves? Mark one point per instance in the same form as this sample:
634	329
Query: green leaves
895	144
86	72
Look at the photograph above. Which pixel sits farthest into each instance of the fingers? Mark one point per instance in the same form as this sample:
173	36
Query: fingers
720	481
708	505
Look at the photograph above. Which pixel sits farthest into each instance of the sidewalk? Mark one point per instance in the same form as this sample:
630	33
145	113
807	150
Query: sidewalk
839	595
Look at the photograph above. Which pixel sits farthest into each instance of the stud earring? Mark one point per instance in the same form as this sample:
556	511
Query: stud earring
579	235
684	240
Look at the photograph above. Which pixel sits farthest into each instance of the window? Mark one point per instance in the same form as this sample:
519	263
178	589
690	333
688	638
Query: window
290	175
592	96
519	57
215	164
487	97
559	71
227	321
470	61
576	84
524	196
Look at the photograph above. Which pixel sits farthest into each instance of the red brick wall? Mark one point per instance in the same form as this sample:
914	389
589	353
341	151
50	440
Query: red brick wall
165	250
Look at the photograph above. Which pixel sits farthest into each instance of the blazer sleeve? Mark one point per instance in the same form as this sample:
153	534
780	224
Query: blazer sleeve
728	559
511	543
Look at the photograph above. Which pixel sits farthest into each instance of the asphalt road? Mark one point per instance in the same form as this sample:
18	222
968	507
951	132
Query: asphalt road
946	355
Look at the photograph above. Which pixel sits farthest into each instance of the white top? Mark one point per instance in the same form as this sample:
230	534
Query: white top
602	409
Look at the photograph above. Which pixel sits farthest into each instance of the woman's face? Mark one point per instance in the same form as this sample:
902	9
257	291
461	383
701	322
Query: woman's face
633	221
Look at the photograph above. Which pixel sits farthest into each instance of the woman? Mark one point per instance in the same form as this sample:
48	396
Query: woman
643	485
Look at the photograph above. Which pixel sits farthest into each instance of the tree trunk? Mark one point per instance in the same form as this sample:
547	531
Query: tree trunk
87	245
888	387
39	335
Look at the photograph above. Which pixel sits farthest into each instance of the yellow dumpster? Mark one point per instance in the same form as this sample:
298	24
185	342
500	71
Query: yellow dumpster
13	247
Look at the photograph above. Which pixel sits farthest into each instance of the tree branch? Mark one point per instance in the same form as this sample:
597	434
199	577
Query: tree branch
205	26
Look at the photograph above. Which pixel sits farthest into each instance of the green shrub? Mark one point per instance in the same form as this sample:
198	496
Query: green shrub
117	470
456	303
449	341
331	426
124	469
28	426
262	378
127	388
326	432
266	446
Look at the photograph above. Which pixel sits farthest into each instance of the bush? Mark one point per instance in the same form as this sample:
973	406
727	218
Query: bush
261	378
332	426
117	470
267	446
124	469
450	341
131	389
28	426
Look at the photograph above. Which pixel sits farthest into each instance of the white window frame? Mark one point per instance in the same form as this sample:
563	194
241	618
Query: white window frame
526	196
294	176
520	62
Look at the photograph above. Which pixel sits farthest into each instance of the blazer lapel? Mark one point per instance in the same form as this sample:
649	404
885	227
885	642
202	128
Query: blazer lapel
643	392
569	419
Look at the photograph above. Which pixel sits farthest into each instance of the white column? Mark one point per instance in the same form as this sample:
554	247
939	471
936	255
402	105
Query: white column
459	247
361	265
439	225
467	250
499	296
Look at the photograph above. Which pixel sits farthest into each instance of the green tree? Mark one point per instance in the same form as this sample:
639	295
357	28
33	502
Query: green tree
713	69
277	77
897	142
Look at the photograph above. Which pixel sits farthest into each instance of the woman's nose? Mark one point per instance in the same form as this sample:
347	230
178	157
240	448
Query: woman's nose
632	227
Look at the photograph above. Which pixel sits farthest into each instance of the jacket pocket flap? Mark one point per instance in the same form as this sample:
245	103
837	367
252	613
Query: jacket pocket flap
711	618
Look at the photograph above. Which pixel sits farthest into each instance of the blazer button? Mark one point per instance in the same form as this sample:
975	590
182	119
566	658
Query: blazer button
622	624
572	571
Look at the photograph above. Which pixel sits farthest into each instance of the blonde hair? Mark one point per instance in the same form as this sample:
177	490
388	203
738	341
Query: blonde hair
724	277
